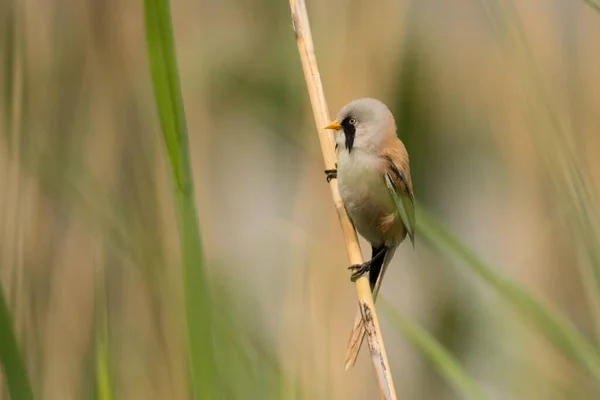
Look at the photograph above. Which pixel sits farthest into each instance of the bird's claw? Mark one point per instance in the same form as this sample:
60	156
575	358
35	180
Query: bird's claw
331	174
359	270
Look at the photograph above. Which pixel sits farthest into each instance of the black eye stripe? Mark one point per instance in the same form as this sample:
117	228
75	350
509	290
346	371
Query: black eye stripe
349	132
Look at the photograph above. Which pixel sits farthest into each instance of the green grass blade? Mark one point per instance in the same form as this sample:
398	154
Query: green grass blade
13	366
165	80
444	362
592	4
104	388
103	380
556	327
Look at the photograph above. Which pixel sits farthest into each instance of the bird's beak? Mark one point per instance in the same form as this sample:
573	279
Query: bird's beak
334	125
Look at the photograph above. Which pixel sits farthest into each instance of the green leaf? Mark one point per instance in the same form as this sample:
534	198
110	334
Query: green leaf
11	360
444	362
556	327
167	92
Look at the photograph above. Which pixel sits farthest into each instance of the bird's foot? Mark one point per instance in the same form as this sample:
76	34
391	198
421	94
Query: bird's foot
331	174
359	270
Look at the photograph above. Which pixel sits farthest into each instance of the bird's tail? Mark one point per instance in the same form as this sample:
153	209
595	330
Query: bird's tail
358	331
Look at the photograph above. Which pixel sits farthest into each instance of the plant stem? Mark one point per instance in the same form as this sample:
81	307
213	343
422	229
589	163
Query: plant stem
321	115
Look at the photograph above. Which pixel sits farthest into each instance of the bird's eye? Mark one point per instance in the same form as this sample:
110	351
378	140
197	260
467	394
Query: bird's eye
352	121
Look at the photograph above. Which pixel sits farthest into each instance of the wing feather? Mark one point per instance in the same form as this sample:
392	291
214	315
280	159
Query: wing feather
399	185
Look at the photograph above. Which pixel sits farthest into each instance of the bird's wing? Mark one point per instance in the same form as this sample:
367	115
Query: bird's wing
398	181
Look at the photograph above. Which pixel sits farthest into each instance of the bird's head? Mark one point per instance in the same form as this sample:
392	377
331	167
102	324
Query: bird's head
362	124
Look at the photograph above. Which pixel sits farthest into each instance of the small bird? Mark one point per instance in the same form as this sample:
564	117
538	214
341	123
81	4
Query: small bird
374	182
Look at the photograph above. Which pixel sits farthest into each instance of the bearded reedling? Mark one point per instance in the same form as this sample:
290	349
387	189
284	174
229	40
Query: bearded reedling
374	182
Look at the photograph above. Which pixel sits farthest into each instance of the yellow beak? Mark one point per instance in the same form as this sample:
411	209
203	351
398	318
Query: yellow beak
334	125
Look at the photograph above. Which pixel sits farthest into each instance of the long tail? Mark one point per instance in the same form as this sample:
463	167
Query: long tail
358	331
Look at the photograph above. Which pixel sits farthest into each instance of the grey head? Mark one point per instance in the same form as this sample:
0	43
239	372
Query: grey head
363	124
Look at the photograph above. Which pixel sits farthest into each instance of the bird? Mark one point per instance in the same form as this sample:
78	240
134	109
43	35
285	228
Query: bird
373	177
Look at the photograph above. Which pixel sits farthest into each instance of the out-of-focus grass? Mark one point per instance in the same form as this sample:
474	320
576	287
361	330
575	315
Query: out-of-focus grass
558	330
446	365
104	385
593	4
572	189
248	367
88	124
12	361
165	79
13	367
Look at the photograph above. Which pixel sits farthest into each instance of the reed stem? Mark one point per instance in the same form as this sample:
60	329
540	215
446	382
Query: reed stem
321	115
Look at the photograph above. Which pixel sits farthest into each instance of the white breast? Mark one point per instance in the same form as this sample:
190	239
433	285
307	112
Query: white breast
364	192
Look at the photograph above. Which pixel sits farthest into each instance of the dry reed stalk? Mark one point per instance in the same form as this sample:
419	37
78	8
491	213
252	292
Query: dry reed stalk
321	115
356	338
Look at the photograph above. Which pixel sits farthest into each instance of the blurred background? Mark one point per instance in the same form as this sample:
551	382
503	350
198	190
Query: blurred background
497	103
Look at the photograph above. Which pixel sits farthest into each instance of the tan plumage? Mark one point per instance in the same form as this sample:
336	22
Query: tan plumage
393	149
394	152
374	181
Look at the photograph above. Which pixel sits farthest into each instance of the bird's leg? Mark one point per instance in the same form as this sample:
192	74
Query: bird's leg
360	269
331	174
